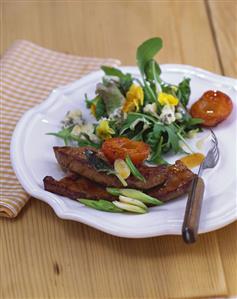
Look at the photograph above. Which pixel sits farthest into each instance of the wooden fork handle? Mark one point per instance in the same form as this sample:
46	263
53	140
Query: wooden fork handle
193	211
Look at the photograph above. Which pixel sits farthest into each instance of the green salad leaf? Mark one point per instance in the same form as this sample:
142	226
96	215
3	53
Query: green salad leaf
152	71
125	80
184	91
64	134
154	111
146	51
112	71
100	109
111	95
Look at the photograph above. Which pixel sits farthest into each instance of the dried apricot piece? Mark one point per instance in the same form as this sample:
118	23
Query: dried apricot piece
120	147
213	107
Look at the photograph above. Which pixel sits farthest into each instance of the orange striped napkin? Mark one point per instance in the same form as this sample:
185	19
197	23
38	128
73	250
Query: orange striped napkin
28	74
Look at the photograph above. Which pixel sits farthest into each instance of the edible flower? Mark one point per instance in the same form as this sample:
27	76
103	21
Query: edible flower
103	130
167	99
93	109
134	98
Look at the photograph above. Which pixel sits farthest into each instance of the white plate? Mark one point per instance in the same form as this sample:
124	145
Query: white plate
32	158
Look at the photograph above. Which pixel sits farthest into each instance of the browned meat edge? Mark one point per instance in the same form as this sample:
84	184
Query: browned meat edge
74	160
75	186
177	183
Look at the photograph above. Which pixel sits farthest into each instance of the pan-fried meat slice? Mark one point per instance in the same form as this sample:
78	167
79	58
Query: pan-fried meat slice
74	186
75	160
178	183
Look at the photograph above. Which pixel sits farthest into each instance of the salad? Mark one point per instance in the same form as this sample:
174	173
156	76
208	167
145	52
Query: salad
137	122
144	109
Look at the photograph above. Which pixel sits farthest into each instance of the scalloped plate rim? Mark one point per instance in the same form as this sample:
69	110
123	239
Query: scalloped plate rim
64	212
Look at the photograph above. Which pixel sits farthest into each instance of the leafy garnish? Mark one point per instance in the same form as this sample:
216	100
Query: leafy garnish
112	71
102	166
191	121
125	80
152	71
64	134
156	156
111	96
99	106
99	164
183	92
161	124
134	169
146	51
133	120
68	137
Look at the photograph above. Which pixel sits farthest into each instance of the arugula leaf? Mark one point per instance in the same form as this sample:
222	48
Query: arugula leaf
100	110
173	139
152	71
189	123
125	80
133	120
149	94
125	83
64	134
184	91
112	71
101	205
146	51
156	153
168	88
83	142
111	95
89	102
67	136
170	140
192	121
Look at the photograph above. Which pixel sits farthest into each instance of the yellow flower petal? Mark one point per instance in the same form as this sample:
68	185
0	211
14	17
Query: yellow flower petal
93	109
167	99
103	130
134	98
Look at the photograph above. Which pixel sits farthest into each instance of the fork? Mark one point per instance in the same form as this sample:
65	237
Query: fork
194	203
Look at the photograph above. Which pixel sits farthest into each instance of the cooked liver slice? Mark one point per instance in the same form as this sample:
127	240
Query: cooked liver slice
74	186
177	183
75	160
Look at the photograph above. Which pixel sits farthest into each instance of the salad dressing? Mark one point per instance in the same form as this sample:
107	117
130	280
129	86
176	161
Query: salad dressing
193	160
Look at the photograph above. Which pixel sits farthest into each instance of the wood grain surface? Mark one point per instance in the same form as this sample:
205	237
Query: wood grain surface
42	256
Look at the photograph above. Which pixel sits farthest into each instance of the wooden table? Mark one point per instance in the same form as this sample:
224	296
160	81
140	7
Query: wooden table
45	257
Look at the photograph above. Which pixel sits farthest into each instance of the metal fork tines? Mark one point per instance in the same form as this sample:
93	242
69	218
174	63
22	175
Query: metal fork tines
212	156
194	203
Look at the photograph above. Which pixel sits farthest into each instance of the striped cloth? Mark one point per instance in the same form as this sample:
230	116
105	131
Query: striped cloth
28	74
